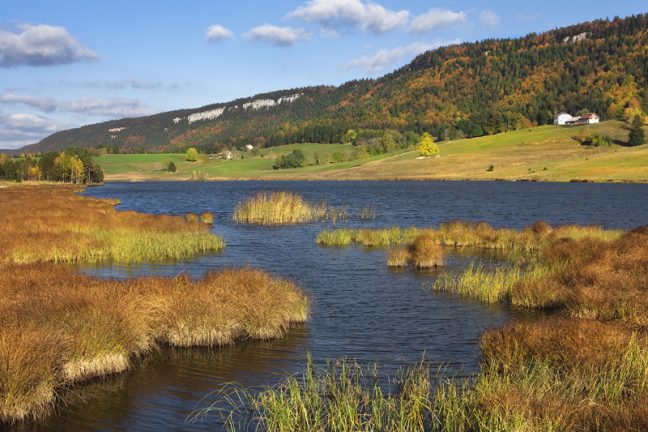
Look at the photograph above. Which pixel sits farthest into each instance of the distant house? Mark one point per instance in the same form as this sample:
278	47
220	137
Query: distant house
249	147
562	118
567	120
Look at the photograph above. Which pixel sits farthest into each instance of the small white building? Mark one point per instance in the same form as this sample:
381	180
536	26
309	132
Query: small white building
591	118
249	147
562	118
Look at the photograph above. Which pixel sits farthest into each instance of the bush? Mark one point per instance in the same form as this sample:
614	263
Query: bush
597	140
427	147
192	155
171	167
296	159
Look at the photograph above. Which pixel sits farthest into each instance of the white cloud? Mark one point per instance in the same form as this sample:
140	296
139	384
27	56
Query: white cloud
436	18
41	45
353	14
129	84
112	108
217	33
279	36
389	57
42	104
489	18
18	130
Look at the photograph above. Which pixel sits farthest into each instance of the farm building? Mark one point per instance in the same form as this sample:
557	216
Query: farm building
567	120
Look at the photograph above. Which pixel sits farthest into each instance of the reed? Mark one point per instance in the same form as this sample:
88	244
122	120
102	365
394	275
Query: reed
344	396
54	224
554	375
58	327
283	208
468	234
398	258
426	253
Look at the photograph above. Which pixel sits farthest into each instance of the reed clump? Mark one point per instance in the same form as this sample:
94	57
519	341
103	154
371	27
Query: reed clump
398	258
58	327
344	396
554	375
426	253
468	234
54	224
283	208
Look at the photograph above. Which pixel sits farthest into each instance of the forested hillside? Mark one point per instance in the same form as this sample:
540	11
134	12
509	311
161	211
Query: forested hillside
463	90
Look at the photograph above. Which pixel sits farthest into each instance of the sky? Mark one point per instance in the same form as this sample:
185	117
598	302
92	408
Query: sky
67	63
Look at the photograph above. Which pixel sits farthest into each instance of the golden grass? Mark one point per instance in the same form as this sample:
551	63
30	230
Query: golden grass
54	224
426	252
466	234
398	258
59	327
280	208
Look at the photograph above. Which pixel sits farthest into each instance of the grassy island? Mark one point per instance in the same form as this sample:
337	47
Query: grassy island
58	327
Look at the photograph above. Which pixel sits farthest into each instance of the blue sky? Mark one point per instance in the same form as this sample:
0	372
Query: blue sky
68	63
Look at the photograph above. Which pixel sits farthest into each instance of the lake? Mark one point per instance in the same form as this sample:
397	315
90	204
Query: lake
360	309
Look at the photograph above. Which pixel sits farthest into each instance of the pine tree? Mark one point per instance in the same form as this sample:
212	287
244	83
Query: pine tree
637	134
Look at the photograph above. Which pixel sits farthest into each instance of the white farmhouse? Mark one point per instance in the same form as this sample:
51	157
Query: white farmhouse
592	118
562	118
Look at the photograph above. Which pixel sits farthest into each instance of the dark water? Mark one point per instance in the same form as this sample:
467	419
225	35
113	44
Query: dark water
359	308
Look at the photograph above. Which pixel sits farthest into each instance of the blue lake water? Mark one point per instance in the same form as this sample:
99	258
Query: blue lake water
360	309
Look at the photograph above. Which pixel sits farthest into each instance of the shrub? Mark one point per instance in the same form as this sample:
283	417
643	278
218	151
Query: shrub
296	159
427	146
192	155
171	167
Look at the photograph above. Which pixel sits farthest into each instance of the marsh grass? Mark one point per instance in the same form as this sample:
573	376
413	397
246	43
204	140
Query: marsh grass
59	327
426	253
467	234
284	208
54	224
398	258
343	396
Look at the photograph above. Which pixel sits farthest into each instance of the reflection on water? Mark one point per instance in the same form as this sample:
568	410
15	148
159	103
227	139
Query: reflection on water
360	309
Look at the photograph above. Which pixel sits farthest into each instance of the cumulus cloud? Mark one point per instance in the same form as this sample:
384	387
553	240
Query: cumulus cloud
279	36
41	45
111	108
18	130
350	14
389	57
489	18
217	33
436	18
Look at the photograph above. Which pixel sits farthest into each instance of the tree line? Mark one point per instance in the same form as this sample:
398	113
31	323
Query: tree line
72	165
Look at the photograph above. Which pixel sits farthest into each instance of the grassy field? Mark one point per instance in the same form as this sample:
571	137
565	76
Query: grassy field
546	153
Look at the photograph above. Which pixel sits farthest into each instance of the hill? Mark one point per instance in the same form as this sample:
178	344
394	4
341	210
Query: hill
465	90
545	153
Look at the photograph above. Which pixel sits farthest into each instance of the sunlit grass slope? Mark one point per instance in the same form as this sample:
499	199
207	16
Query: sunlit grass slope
546	153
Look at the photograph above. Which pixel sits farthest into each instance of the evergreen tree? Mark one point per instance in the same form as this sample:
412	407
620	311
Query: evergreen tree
637	134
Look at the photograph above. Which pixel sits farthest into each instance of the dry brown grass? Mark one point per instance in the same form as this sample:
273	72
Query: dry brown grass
593	279
58	327
426	253
398	258
54	224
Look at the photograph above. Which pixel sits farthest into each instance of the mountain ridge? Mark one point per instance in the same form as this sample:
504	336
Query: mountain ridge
468	89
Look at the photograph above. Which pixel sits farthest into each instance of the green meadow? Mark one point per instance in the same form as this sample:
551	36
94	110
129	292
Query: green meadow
545	153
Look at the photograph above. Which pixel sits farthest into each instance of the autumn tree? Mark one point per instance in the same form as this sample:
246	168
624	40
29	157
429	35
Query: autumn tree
192	154
427	146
